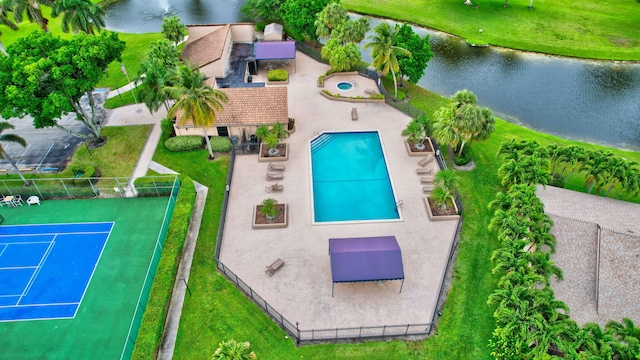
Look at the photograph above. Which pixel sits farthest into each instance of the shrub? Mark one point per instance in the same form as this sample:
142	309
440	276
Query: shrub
321	80
167	127
260	26
220	144
402	96
278	75
82	173
376	96
467	156
184	143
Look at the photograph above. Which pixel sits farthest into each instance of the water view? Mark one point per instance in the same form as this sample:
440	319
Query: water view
585	100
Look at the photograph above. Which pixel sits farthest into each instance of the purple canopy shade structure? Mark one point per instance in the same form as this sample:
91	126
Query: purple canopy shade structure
365	259
276	50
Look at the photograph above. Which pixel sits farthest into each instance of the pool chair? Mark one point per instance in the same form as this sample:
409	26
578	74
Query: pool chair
17	200
31	200
426	160
273	167
424	171
274	188
426	179
428	188
271	269
275	176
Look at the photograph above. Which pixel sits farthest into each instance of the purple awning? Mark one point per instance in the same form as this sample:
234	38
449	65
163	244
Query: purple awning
275	50
365	259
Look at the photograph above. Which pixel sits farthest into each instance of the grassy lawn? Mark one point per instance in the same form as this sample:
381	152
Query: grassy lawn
111	159
605	29
125	98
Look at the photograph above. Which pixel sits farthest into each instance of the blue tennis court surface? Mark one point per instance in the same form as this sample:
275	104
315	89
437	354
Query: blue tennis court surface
46	269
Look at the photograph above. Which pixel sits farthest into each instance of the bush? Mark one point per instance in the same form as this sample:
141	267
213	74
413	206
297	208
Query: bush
82	173
278	75
376	96
402	96
467	156
260	26
557	181
220	144
184	143
167	127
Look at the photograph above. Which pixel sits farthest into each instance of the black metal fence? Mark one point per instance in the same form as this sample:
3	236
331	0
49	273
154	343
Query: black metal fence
341	334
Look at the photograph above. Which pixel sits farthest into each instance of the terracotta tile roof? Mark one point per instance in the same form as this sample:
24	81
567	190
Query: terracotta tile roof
252	106
206	49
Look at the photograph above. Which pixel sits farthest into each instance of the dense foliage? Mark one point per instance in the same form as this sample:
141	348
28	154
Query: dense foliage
184	143
300	15
46	77
413	66
220	144
278	75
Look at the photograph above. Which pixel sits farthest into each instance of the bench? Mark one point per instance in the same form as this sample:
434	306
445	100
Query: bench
369	91
271	269
354	114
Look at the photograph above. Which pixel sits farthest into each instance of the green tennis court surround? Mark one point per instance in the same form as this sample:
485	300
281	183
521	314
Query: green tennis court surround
108	316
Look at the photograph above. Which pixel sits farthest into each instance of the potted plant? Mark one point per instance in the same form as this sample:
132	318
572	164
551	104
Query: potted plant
417	132
440	203
270	209
271	137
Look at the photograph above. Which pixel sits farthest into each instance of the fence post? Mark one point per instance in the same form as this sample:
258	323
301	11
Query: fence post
298	331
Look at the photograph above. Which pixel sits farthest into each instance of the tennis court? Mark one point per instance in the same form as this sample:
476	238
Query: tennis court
75	276
45	269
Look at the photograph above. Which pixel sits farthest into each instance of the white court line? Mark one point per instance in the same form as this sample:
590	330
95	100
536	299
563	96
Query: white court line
95	265
39	305
2	236
47	224
35	273
14	295
28	242
4	247
19	267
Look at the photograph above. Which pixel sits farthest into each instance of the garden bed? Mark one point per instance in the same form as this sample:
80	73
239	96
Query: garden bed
261	222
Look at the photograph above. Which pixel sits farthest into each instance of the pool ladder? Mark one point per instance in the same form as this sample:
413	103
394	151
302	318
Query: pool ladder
400	204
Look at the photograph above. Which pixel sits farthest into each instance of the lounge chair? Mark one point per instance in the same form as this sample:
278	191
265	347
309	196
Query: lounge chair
275	188
275	176
369	91
354	114
271	269
426	160
422	171
428	188
32	200
426	179
273	167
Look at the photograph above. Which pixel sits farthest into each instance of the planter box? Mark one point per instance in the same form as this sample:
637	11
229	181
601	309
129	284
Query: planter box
420	153
440	217
273	225
273	158
321	82
346	99
269	82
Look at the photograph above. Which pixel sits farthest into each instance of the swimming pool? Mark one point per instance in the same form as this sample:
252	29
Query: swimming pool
350	180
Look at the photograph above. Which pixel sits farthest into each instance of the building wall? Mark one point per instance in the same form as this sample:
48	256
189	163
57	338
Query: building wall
226	54
213	131
243	32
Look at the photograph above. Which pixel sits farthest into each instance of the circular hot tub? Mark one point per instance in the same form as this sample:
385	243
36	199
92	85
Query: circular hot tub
343	85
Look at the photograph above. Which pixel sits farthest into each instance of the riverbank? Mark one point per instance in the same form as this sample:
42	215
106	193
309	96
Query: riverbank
605	30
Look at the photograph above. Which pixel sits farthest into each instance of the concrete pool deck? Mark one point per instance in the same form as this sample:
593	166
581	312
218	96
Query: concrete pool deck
301	290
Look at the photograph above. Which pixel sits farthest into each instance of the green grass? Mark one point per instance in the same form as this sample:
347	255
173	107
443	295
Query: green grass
605	29
125	98
112	159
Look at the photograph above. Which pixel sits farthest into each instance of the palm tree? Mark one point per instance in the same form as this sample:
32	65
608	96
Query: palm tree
444	128
233	350
595	167
14	139
5	8
196	102
79	15
446	178
34	11
173	29
384	53
154	72
417	131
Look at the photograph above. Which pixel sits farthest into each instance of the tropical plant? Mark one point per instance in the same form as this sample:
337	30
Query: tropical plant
167	127
418	130
33	9
233	350
173	29
342	36
263	9
341	57
446	178
196	102
444	129
413	66
270	208
385	53
595	166
14	139
79	15
441	196
300	16
155	72
5	8
50	76
272	136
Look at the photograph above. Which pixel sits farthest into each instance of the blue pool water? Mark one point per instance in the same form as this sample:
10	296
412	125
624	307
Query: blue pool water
350	178
344	85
